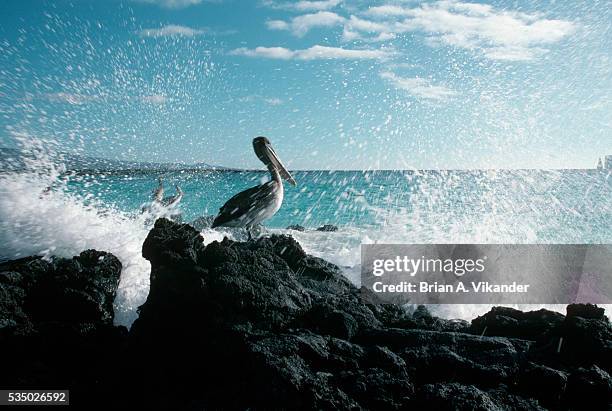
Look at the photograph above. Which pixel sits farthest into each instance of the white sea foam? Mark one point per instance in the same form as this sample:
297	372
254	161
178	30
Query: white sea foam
38	216
57	223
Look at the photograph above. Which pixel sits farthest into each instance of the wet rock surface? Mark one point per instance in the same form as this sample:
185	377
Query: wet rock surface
261	324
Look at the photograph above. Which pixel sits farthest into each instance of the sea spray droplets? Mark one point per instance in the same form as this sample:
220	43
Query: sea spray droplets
40	216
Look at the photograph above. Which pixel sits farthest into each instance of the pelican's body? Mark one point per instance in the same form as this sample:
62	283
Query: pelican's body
172	200
160	204
250	207
158	195
255	205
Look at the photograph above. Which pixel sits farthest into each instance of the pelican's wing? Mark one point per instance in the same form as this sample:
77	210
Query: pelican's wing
175	199
158	193
170	201
244	205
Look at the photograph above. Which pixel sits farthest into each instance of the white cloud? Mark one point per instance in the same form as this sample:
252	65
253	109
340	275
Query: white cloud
157	99
301	25
170	30
355	27
365	25
498	34
171	4
387	10
418	87
280	53
313	53
277	25
322	52
303	5
458	24
316	5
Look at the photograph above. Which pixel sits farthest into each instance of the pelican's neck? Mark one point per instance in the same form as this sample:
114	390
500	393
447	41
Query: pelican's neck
159	192
275	174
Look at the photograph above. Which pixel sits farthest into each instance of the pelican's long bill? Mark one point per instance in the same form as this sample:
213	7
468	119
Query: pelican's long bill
279	165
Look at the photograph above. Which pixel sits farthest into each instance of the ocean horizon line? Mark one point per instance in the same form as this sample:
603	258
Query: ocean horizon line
170	166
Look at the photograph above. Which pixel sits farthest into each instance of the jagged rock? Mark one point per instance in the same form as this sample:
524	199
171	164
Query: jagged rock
586	342
205	222
588	311
268	283
328	228
267	305
509	322
261	324
81	289
235	301
56	323
421	318
577	341
278	328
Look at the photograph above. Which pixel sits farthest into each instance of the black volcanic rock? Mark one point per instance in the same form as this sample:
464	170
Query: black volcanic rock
267	284
421	318
275	327
261	324
81	289
328	227
56	323
274	323
578	342
588	311
509	322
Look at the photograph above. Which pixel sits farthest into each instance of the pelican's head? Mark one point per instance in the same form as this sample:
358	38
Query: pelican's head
265	152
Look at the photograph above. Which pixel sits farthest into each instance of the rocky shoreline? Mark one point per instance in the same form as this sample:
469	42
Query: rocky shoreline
261	324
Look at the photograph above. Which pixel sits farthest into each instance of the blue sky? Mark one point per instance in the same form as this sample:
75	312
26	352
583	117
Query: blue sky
334	84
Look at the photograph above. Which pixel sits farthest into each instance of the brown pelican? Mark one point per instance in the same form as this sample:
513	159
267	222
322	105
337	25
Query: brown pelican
158	195
254	205
173	200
